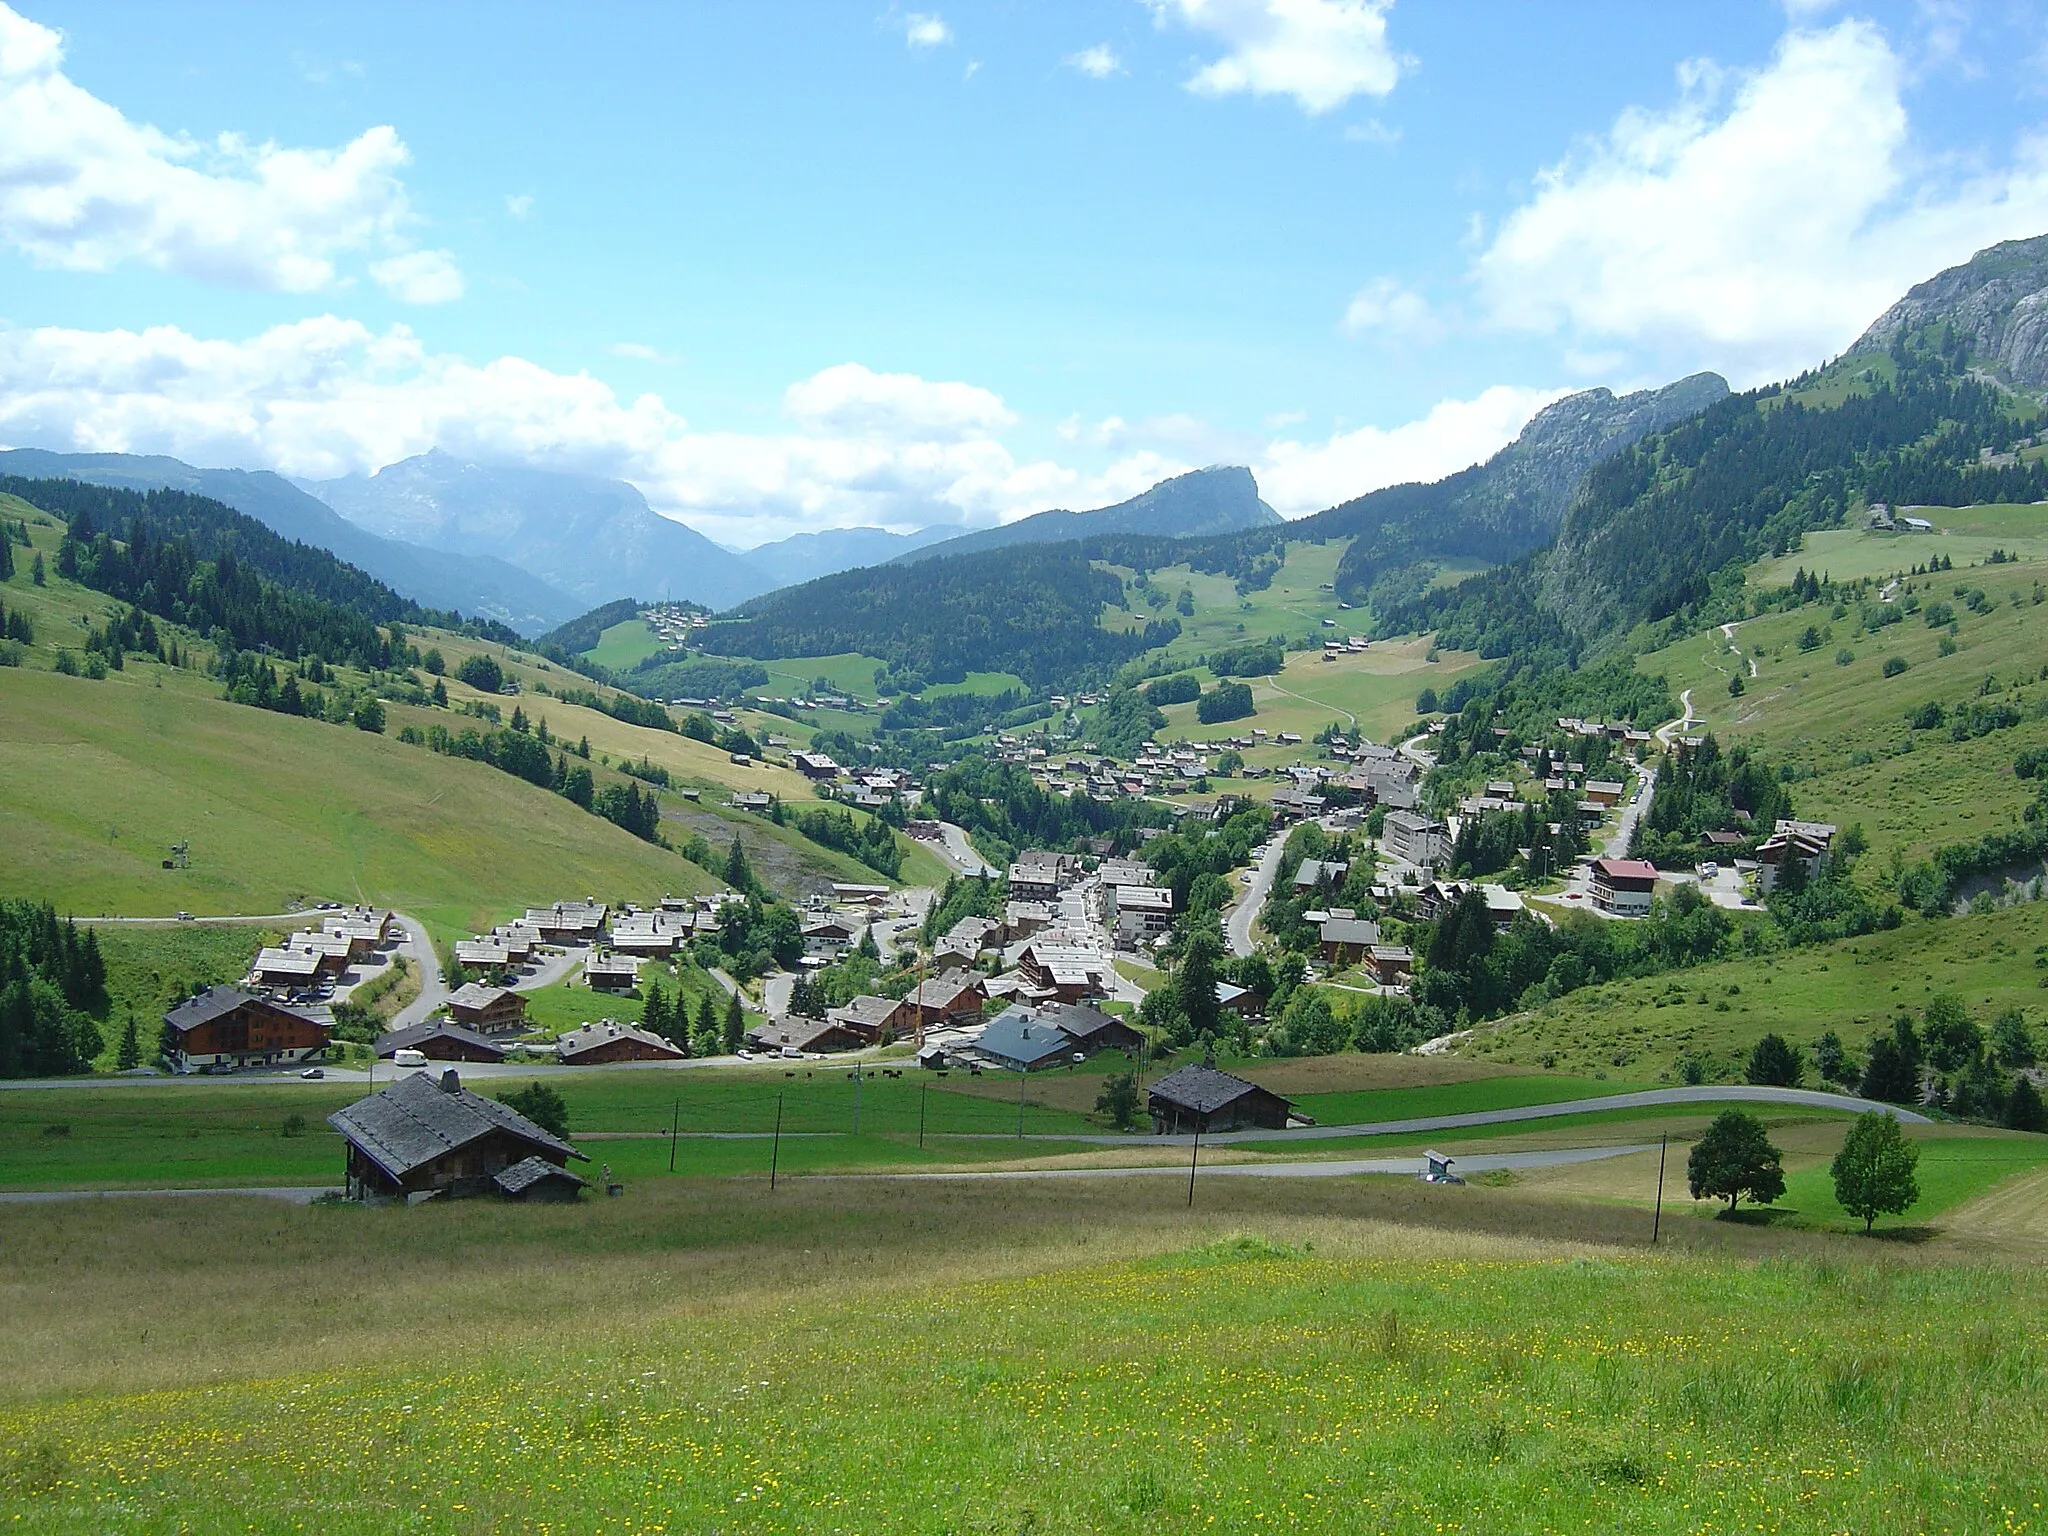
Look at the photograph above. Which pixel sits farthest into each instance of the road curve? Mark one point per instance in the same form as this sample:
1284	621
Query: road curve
1237	928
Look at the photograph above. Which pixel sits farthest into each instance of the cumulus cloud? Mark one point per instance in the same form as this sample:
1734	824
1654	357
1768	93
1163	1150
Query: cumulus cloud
1759	223
1384	308
1320	52
419	277
852	399
1297	478
82	187
1097	63
924	30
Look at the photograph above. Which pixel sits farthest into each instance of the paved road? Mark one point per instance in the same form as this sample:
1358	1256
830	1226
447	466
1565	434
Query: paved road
1237	929
1333	1169
309	914
433	985
958	852
1671	727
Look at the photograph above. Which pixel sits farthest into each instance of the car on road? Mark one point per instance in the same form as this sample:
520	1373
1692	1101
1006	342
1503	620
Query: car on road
1709	870
1245	877
313	1072
185	917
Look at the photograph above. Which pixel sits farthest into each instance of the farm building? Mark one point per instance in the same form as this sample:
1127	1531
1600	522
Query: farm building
811	1036
488	1010
871	1017
287	967
611	973
427	1135
597	1045
1017	1040
536	1181
440	1041
225	1026
1198	1098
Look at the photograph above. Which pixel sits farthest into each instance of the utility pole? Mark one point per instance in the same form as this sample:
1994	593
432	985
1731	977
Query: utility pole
922	1090
856	1098
1193	1158
775	1152
1657	1221
1023	1075
673	1126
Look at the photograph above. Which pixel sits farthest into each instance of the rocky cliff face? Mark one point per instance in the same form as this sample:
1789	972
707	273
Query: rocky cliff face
1998	300
1544	465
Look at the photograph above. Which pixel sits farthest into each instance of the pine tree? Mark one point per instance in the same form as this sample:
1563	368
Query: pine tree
129	1053
738	873
708	1037
654	1014
735	1024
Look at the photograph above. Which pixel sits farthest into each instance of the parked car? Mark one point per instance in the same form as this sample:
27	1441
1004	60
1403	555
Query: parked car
405	1056
1709	870
312	1072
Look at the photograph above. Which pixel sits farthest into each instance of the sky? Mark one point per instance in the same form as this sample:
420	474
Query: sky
799	266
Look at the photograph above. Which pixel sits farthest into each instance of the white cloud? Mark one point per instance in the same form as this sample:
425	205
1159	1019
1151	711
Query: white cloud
1097	63
82	187
419	277
1320	52
519	204
329	396
853	399
1372	131
641	352
924	30
1384	308
1757	225
1298	478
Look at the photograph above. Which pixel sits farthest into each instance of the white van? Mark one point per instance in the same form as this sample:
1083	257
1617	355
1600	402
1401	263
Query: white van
406	1056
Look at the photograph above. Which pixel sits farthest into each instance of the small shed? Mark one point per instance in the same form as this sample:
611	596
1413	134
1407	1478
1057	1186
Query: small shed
536	1181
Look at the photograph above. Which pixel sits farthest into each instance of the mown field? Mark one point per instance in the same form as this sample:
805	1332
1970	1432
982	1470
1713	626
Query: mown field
976	1358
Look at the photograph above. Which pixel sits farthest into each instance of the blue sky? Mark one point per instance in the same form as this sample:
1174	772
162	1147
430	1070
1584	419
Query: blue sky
797	266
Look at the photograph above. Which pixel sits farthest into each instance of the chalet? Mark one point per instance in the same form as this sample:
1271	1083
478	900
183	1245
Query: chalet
1035	882
829	935
1115	872
1622	887
1604	793
1417	839
226	1027
438	1040
971	935
611	973
814	765
871	1017
1141	913
517	940
536	1181
286	967
1242	1001
650	933
810	1036
1022	919
482	955
567	922
949	998
757	801
488	1010
426	1136
1197	1098
1293	804
1344	940
1016	1040
1067	973
1391	964
1808	842
1314	874
597	1045
366	928
335	950
1717	840
1093	1030
859	895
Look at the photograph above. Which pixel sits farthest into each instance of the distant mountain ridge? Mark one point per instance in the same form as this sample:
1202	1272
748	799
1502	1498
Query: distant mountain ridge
594	538
807	556
1998	303
481	586
1202	502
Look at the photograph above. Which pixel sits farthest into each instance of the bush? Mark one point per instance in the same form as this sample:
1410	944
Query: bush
1894	665
483	674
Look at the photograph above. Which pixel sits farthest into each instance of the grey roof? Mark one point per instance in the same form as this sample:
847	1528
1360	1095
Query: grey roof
407	1039
1204	1089
1349	930
865	1009
419	1118
215	1002
1019	1034
1079	1020
534	1170
474	994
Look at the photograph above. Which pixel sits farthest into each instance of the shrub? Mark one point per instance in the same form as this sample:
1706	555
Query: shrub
1894	665
482	673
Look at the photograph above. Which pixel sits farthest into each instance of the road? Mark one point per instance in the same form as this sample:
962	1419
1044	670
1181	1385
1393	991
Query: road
1671	727
1335	1168
296	1194
310	914
433	985
1728	634
958	852
1237	928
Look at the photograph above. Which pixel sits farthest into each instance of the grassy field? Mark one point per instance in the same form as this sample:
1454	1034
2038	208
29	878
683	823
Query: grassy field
951	1358
1639	1029
624	644
1844	724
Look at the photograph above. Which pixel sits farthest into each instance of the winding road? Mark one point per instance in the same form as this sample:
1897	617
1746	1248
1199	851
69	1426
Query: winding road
1237	928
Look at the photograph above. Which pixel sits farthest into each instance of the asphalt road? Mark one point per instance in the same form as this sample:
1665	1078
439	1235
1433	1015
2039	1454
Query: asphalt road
1333	1169
1237	929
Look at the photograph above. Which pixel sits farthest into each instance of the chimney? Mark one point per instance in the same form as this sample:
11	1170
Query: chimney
450	1083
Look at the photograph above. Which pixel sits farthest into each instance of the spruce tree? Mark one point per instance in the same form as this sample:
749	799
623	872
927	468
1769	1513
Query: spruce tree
708	1034
654	1014
129	1052
735	1024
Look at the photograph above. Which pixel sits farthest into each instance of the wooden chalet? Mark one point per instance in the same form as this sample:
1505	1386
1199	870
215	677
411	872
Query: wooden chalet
427	1135
488	1010
597	1045
870	1018
1345	940
611	973
1198	1098
1392	965
282	967
810	1036
227	1027
950	998
438	1040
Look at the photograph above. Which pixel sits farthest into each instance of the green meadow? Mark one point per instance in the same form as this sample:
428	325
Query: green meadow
952	1357
621	646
